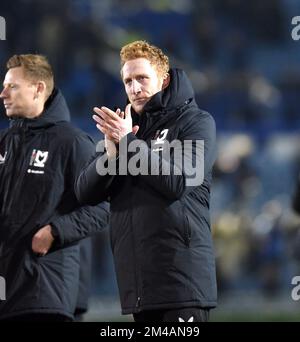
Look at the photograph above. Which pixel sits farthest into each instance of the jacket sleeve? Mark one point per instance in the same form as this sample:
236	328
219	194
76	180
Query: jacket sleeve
81	223
78	222
198	156
91	187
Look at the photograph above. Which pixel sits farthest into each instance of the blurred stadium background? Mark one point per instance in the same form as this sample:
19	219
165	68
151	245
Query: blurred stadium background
245	68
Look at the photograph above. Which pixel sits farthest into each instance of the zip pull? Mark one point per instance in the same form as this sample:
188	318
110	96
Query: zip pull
137	304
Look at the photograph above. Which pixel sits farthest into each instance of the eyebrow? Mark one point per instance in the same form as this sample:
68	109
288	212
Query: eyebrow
8	83
135	76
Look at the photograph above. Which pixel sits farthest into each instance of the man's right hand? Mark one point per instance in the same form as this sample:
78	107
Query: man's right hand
111	148
42	240
114	125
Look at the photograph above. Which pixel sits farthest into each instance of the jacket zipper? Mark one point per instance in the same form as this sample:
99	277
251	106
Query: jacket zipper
137	303
187	231
187	228
8	201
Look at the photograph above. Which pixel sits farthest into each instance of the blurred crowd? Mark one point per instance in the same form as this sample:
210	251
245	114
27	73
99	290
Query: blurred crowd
245	69
256	231
242	60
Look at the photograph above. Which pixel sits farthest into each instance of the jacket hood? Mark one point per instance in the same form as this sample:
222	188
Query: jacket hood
55	110
175	95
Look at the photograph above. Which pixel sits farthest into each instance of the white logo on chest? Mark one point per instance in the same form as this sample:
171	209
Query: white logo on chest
38	159
160	138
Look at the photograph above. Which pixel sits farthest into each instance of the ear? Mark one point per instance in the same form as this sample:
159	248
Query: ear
166	81
41	88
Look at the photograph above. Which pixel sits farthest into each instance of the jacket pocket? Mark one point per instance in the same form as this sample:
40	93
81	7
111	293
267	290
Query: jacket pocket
32	274
187	228
177	221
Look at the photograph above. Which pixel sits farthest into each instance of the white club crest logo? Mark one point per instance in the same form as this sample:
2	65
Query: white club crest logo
2	158
38	158
190	320
161	137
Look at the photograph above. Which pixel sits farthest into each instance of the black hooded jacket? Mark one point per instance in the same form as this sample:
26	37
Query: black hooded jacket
39	162
160	225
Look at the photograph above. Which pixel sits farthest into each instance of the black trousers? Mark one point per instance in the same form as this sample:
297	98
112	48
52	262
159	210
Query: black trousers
173	315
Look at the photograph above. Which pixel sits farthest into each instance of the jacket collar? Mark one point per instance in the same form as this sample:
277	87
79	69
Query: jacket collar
56	110
174	96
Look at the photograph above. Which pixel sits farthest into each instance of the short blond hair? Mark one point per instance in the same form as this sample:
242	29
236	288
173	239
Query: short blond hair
36	68
142	49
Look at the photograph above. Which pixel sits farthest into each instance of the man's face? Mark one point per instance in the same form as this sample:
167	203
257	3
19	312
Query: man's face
18	94
141	82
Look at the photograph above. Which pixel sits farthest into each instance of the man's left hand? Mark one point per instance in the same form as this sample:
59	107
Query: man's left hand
113	125
42	240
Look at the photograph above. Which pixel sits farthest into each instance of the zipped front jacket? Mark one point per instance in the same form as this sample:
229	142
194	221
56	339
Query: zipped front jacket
39	162
160	226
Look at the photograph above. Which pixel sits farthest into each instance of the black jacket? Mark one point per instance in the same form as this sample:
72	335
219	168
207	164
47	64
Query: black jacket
85	277
160	227
40	160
